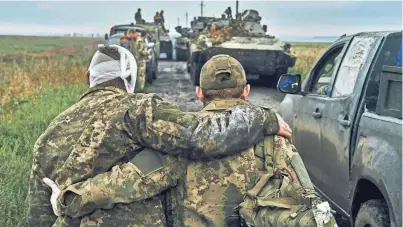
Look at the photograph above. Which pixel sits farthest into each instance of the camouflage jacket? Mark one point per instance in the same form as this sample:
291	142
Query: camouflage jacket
108	127
213	189
138	49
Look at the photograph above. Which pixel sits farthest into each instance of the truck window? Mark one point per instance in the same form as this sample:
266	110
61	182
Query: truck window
356	56
387	55
323	73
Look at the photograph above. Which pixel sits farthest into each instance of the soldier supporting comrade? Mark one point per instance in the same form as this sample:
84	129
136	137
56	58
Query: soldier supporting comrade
109	126
207	192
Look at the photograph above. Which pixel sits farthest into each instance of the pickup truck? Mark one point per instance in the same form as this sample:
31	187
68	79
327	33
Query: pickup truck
346	119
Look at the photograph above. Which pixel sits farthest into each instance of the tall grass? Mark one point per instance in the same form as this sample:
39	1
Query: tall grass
33	91
17	138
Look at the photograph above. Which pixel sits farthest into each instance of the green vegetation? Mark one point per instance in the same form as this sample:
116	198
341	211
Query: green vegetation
35	88
17	138
44	76
37	44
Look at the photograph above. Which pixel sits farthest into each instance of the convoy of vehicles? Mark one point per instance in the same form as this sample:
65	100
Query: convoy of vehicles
346	119
152	61
264	58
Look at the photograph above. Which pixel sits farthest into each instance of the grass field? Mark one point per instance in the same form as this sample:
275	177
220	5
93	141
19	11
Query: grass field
46	77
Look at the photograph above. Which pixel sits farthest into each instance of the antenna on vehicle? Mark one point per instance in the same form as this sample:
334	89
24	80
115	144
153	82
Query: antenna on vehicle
201	7
186	18
236	8
178	21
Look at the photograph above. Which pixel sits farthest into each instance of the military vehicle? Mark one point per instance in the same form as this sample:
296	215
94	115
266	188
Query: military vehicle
182	43
197	25
347	124
264	58
165	42
118	31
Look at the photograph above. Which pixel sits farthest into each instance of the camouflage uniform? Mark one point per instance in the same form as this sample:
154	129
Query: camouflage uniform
105	130
141	55
213	189
138	49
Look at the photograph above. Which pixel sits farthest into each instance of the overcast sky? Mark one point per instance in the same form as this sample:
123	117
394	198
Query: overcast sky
285	18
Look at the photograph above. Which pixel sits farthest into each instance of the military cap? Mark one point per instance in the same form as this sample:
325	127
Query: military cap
218	64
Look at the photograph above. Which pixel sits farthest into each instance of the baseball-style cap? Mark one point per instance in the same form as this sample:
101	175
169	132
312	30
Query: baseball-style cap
222	64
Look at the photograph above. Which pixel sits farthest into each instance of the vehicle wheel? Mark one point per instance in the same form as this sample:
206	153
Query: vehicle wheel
180	55
373	213
169	56
154	76
196	69
149	78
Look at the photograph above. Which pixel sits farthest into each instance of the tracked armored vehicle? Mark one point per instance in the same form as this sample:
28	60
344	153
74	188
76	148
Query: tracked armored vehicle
264	58
182	43
197	25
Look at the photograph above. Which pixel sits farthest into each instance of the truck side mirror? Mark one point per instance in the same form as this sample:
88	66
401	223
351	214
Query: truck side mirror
289	83
106	36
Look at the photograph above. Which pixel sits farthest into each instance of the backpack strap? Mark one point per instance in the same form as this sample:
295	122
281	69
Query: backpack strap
267	152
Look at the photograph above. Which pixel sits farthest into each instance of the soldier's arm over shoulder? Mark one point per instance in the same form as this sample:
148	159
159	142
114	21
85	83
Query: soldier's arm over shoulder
162	126
125	183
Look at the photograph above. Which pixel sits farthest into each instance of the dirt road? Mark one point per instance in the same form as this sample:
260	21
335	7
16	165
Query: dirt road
173	83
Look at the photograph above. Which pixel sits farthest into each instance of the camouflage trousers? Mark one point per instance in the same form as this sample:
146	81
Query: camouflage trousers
141	74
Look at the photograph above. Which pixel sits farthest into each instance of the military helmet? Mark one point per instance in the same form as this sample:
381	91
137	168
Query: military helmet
219	64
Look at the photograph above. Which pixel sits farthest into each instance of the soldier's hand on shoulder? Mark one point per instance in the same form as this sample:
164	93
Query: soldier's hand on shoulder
284	128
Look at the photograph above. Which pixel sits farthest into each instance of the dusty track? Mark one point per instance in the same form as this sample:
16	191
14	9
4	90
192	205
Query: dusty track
173	83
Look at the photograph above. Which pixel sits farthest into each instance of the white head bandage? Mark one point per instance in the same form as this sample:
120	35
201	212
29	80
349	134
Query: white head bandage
104	68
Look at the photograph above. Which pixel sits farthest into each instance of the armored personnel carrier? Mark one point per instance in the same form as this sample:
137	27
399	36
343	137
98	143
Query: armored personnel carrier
197	25
264	58
182	43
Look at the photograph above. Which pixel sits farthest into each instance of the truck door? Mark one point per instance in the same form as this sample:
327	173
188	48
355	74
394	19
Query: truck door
308	118
338	115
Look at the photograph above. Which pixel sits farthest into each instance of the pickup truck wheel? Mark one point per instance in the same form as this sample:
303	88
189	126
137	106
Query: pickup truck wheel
373	213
